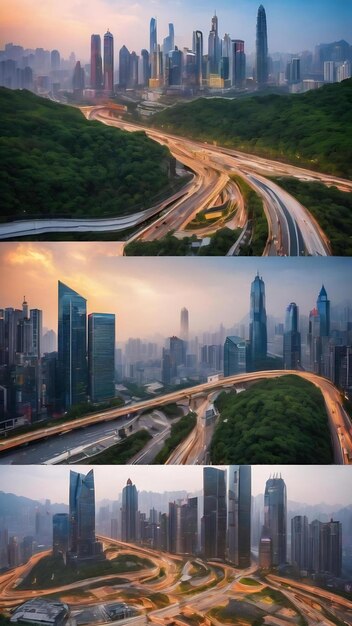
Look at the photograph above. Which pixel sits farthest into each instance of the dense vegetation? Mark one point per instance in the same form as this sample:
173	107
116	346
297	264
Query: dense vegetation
56	163
52	572
122	452
178	433
257	217
275	421
169	245
220	242
331	207
311	129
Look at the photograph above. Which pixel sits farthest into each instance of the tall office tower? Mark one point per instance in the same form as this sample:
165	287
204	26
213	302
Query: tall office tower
4	540
184	324
299	542
153	49
238	63
108	62
323	306
36	319
78	78
313	340
82	540
183	527
177	350
145	69
134	62
173	68
129	512
257	324
96	65
214	517
60	534
55	60
239	515
262	70
293	71
292	338
72	346
325	547
214	47
169	41
275	518
124	67
101	356
198	50
12	319
234	356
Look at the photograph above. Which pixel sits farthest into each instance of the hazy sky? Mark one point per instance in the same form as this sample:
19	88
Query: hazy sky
147	294
307	484
293	25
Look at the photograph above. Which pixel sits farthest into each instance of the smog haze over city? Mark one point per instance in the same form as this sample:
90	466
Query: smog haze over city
147	296
67	25
321	484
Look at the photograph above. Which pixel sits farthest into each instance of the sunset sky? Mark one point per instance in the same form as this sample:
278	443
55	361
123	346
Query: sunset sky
293	25
147	294
313	485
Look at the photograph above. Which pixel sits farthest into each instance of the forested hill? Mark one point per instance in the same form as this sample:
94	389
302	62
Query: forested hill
313	129
56	163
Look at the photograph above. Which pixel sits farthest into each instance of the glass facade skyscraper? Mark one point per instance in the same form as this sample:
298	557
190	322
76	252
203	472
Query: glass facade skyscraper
72	346
82	541
96	69
257	324
184	325
108	62
261	48
234	356
129	512
292	338
60	534
323	306
299	542
239	515
275	518
214	517
153	48
101	356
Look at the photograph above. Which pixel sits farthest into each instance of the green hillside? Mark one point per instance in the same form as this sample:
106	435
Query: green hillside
312	129
56	163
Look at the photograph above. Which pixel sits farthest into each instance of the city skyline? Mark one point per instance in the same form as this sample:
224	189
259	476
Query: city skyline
328	485
126	287
293	26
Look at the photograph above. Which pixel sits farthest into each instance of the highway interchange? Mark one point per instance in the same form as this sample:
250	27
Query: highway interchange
292	229
193	448
209	585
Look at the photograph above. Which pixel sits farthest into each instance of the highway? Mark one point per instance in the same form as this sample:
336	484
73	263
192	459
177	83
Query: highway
339	422
293	230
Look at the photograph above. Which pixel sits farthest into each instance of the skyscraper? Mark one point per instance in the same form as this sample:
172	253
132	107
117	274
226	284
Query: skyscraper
78	78
60	534
234	356
184	324
214	47
262	73
101	356
169	41
82	541
239	515
72	346
153	49
292	338
275	518
124	67
257	324
129	512
214	517
108	62
325	547
36	316
198	50
96	68
323	306
299	542
238	63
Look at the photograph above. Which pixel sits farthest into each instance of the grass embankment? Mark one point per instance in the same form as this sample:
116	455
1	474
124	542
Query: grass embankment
256	214
52	572
55	163
178	433
275	421
311	129
331	208
122	452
